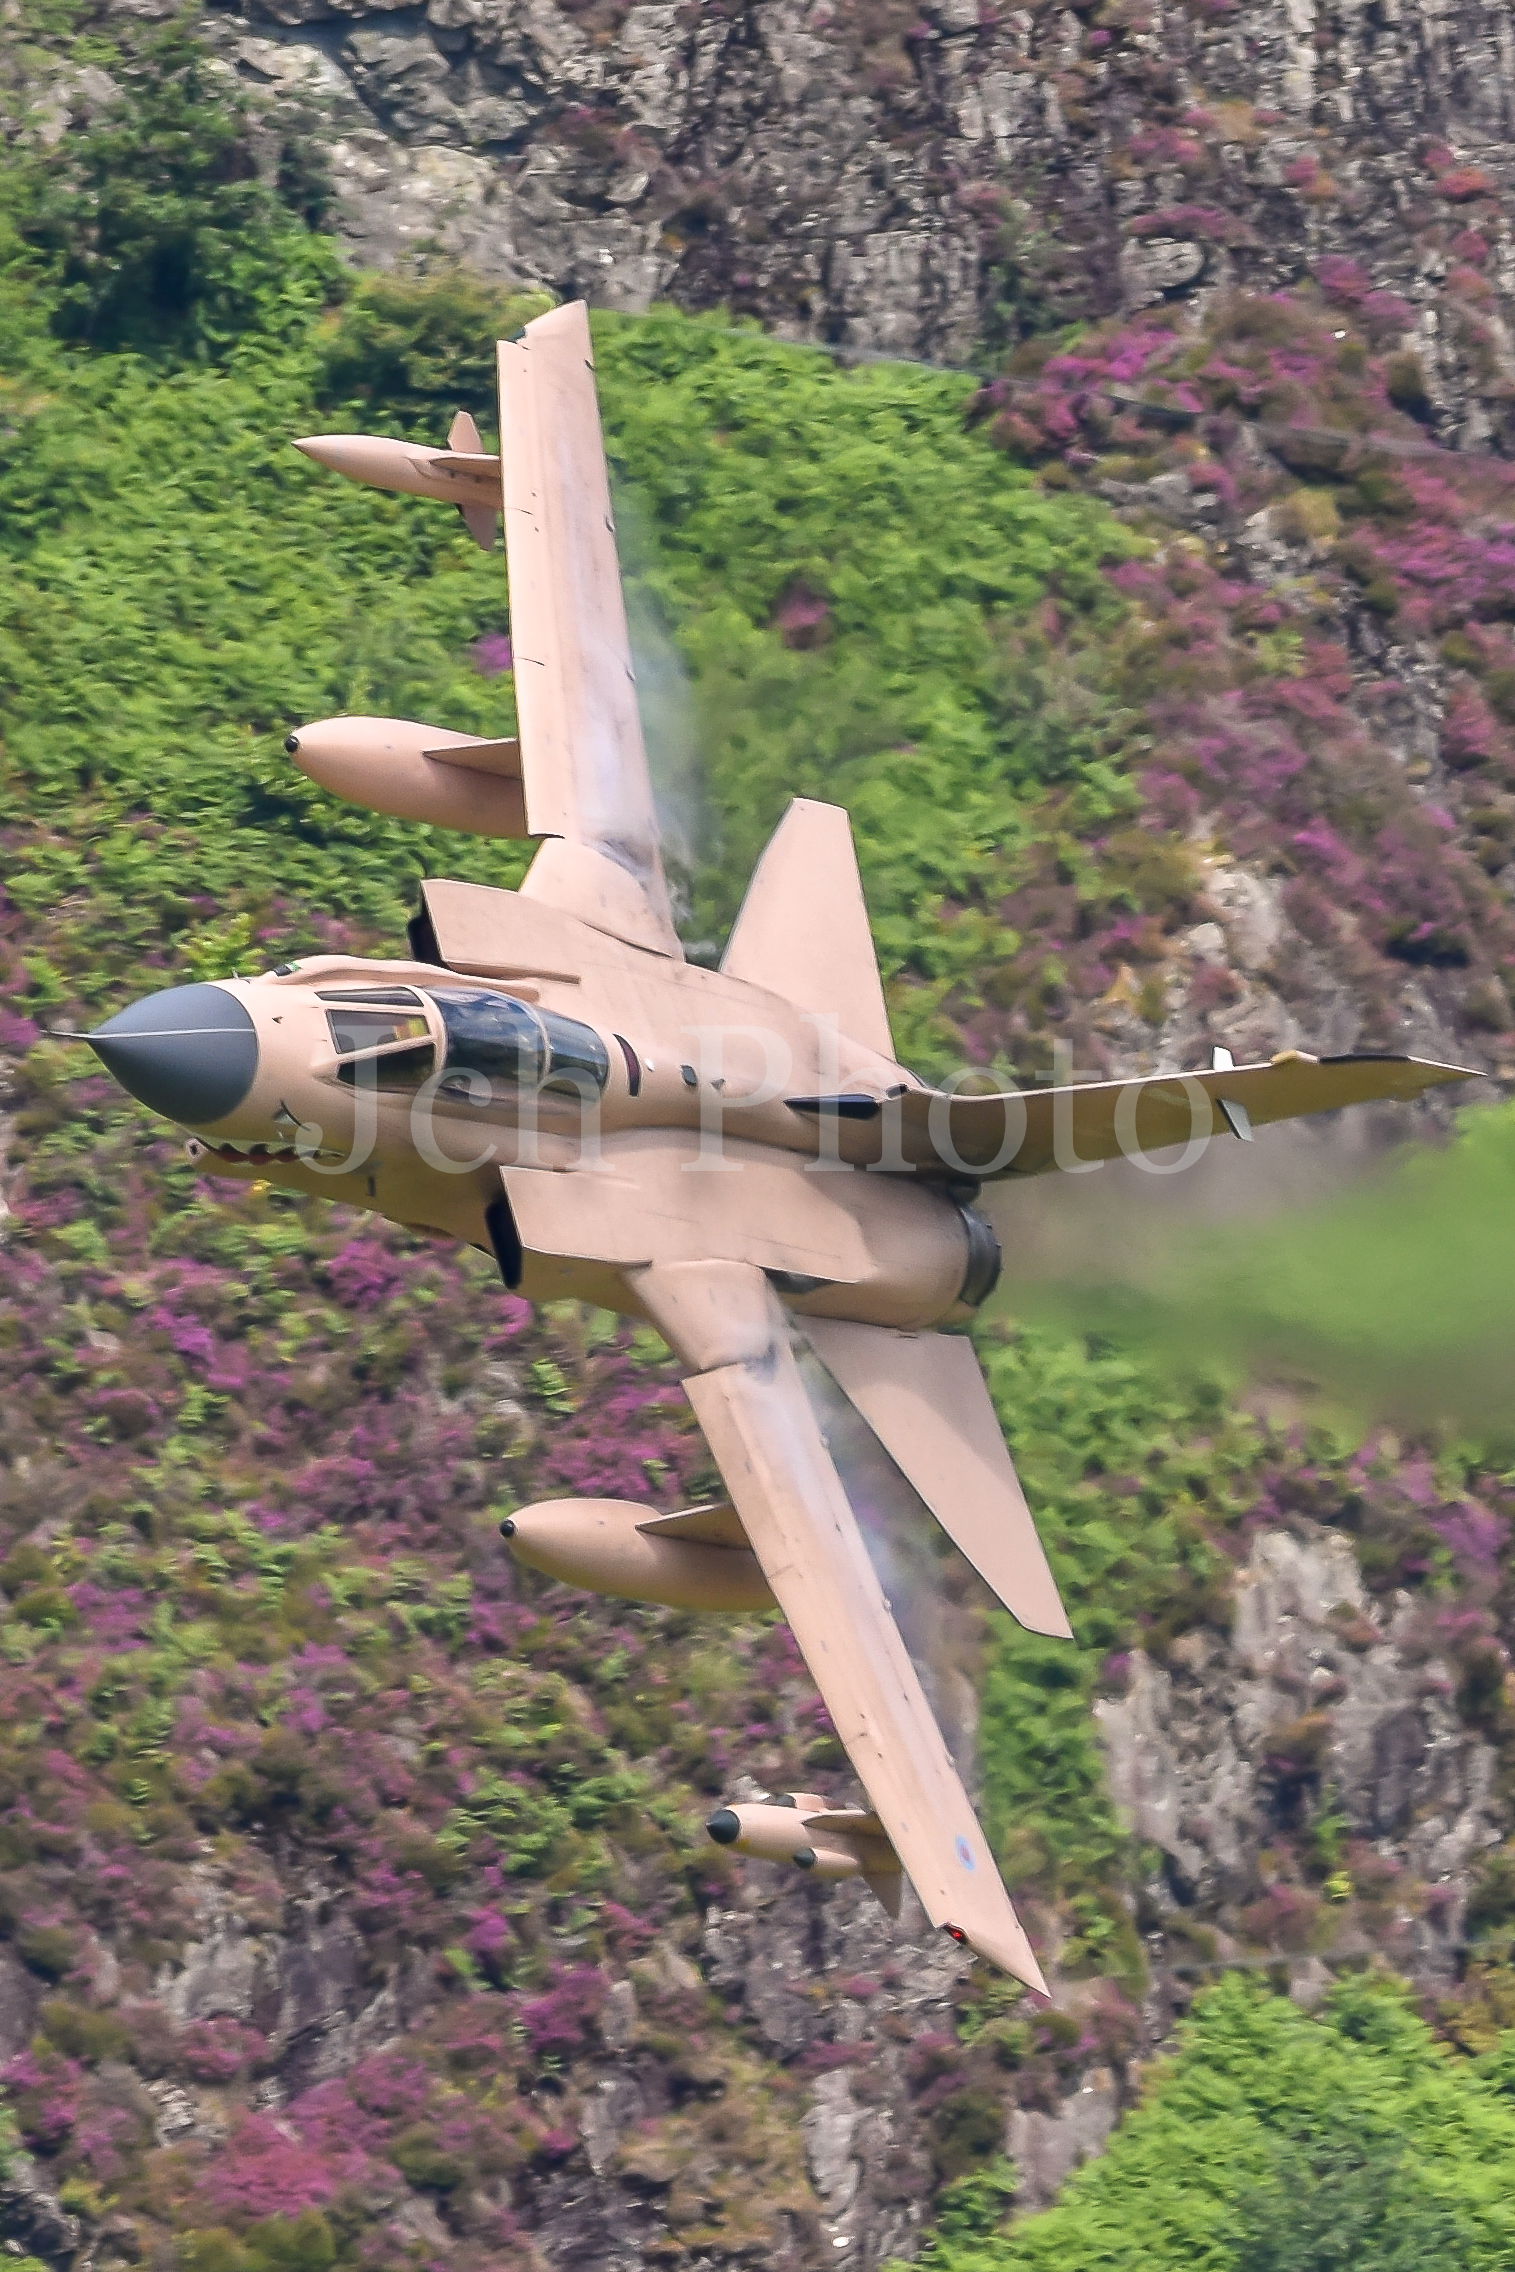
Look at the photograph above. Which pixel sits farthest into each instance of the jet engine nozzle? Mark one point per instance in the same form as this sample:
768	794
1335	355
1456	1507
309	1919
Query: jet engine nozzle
189	1052
612	1546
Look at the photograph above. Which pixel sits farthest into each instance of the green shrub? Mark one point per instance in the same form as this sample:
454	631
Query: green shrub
150	224
1274	2141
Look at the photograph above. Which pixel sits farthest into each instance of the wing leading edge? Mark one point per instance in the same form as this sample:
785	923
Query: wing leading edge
580	780
784	1484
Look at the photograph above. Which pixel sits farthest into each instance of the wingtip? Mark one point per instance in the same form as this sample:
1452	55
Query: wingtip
1029	1973
1018	1959
568	317
1442	1073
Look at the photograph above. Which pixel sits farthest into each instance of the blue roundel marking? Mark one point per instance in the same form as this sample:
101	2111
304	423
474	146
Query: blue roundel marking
965	1853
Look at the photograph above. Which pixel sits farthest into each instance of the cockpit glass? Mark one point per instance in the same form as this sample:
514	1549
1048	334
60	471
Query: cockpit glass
355	1029
577	1060
382	1037
511	1043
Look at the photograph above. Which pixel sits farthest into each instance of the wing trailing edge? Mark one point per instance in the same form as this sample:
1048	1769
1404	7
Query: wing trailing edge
799	1525
583	756
1032	1131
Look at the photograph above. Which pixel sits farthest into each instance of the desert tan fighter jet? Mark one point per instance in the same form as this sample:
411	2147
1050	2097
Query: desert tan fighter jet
733	1154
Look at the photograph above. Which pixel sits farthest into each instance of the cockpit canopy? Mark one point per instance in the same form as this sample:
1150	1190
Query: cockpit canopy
384	1030
384	1036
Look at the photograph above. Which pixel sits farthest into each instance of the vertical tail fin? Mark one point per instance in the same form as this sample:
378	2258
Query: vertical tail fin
803	930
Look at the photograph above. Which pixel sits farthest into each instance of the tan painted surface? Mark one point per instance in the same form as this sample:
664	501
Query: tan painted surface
846	1842
581	735
1028	1132
455	477
608	1546
648	1201
417	772
716	1525
801	1528
926	1400
621	1203
803	928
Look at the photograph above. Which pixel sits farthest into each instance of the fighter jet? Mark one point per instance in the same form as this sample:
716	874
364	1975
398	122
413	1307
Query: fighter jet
732	1154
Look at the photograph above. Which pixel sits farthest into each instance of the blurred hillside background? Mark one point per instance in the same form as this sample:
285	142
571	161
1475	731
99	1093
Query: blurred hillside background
356	1909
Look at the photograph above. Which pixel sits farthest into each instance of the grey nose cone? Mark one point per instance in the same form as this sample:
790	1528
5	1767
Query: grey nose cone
190	1052
724	1827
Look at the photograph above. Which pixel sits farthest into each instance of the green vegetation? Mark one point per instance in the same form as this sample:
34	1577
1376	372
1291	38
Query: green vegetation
1130	1475
272	1537
1277	2142
1396	1294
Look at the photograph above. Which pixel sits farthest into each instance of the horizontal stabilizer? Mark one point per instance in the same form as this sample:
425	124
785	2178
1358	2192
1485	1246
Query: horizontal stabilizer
1029	1131
926	1399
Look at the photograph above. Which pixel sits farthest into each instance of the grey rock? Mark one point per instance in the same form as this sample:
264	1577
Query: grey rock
849	176
1250	912
1153	268
1047	2148
20	1997
33	2222
1315	1685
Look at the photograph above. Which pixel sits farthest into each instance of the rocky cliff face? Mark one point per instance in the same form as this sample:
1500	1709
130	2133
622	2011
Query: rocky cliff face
887	176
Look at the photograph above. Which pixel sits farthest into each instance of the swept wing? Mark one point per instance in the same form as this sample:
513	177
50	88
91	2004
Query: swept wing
1029	1131
799	1522
584	763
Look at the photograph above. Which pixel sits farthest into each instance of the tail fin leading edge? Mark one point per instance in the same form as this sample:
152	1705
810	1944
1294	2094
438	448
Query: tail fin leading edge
803	930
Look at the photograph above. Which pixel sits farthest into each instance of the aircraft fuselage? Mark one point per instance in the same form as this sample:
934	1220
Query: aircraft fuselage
507	1111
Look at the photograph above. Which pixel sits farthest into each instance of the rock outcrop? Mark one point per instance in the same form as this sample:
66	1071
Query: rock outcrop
1324	1716
914	179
